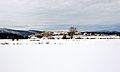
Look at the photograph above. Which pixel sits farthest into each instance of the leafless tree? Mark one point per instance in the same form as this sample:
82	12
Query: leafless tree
72	31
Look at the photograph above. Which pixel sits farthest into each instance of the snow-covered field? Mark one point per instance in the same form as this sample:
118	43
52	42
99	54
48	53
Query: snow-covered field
60	56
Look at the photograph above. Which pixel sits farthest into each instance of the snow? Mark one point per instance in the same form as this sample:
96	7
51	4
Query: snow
84	55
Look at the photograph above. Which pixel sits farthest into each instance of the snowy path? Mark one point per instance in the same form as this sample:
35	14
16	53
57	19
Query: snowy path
71	56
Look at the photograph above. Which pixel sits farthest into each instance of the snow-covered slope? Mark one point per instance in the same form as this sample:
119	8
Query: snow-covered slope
19	32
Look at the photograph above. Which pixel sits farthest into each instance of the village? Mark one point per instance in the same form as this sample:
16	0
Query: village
72	33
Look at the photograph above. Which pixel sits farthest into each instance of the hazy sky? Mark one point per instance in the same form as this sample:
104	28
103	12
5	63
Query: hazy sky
23	13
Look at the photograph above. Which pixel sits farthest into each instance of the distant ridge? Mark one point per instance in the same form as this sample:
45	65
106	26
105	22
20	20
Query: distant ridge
11	33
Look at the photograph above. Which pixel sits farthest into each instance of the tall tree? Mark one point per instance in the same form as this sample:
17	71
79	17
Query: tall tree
72	31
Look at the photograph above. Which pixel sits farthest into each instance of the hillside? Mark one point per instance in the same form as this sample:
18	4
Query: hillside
11	33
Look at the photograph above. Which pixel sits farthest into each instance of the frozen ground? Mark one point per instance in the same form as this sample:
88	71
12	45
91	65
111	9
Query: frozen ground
64	56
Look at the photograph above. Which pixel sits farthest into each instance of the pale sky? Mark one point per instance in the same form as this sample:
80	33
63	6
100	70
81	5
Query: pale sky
43	13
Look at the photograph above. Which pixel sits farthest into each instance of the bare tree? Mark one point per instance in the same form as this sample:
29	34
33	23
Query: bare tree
72	31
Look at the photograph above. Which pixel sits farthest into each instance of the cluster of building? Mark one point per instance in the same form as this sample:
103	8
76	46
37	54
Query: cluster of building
75	35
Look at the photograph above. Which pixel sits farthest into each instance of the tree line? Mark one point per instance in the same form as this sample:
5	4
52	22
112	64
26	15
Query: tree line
11	36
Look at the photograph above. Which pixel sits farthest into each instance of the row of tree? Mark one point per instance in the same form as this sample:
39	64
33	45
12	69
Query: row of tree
11	36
